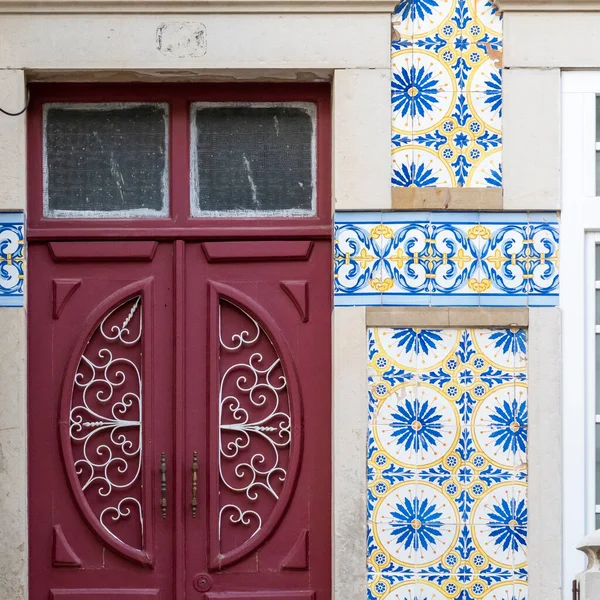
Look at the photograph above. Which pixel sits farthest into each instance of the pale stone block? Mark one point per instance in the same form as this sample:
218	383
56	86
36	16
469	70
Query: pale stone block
13	456
429	316
243	41
361	139
544	454
531	134
12	141
551	39
350	425
407	316
470	199
589	585
488	317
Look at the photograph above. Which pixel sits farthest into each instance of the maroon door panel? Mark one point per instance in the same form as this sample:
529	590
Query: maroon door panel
100	386
179	402
263	421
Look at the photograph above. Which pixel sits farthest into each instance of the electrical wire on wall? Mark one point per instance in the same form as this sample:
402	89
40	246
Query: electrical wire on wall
17	114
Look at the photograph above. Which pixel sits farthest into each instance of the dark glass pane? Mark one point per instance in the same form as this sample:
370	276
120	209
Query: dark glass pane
598	118
253	160
598	375
105	159
597	173
597	464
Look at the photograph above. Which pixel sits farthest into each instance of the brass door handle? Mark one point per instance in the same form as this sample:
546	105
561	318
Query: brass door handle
194	485
163	485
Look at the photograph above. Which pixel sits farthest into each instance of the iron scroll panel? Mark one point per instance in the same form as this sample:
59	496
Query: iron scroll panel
255	425
101	422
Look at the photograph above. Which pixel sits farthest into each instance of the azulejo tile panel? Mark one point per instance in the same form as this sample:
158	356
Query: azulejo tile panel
465	259
447	94
12	259
447	480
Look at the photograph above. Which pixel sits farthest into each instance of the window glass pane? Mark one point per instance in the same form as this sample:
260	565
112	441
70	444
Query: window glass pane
253	160
597	173
598	263
598	376
105	160
598	521
598	118
597	464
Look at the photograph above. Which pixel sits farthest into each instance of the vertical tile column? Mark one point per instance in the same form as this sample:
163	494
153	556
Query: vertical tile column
13	478
447	94
447	464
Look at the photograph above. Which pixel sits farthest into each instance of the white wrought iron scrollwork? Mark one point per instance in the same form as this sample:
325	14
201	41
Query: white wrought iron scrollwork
251	409
106	417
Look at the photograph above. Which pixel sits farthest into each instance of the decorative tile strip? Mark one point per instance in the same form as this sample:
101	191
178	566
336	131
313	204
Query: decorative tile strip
447	514
12	259
470	259
447	94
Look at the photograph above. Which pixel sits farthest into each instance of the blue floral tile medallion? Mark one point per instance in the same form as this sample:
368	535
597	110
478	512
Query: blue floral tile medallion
12	259
447	480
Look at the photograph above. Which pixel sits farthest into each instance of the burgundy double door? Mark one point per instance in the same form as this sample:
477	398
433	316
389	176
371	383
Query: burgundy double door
179	415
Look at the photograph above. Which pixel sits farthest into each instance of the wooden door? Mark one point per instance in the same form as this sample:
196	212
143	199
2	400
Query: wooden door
258	418
179	343
100	415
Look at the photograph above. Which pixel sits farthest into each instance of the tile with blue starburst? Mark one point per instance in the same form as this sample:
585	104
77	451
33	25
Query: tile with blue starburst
447	485
446	94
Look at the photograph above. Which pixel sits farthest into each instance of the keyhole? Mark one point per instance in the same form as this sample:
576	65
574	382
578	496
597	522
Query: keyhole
203	582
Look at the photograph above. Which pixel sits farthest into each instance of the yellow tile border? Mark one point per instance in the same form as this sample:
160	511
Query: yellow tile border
419	316
415	198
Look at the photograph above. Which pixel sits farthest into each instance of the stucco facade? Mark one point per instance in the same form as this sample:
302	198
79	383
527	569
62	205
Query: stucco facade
353	45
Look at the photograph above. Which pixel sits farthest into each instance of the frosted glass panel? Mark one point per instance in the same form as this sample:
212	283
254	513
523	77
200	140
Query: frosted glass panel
253	160
106	160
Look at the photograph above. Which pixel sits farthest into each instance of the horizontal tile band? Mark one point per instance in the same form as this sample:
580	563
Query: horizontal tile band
12	260
414	198
418	316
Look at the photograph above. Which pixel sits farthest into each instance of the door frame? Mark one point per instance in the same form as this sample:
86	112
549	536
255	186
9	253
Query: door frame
320	50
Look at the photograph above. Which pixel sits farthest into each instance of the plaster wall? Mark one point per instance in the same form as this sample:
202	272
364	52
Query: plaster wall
354	51
12	141
13	490
531	120
291	41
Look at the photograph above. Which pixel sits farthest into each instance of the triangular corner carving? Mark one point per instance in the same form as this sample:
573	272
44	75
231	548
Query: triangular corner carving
298	294
297	558
63	555
62	290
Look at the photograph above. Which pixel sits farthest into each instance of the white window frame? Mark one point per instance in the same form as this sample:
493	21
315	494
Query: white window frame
580	232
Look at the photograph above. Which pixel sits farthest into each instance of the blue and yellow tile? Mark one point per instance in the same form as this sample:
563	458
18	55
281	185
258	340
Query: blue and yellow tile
447	506
447	94
12	259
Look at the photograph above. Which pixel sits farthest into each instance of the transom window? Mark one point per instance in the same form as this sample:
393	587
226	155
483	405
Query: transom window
183	154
